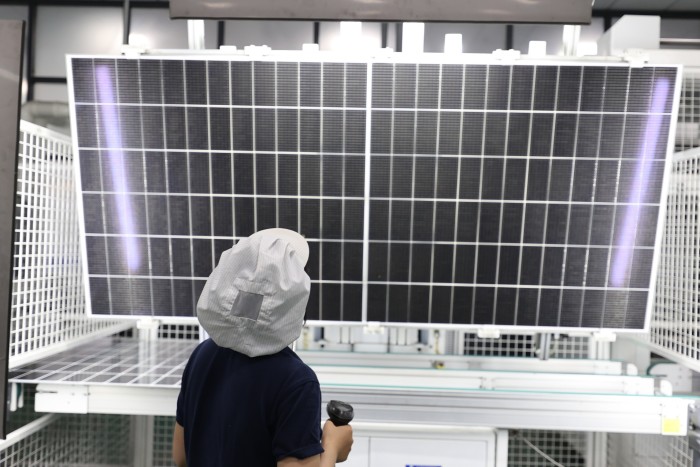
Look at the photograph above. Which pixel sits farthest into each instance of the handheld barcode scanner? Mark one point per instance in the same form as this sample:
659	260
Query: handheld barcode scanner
340	413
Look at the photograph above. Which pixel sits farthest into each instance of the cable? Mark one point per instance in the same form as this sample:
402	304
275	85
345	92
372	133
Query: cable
539	451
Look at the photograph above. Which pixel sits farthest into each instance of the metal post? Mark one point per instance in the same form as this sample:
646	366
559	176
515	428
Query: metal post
142	425
195	34
127	22
571	36
544	342
142	440
694	434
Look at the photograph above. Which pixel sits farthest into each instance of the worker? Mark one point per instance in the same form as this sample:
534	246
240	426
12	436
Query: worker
247	400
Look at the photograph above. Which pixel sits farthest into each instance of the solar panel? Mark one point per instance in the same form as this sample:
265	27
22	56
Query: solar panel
431	192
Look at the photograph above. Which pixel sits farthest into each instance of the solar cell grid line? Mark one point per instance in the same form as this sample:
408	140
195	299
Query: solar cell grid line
276	146
229	78
457	191
435	185
524	193
188	162
254	143
571	192
118	156
342	201
590	222
145	182
166	183
615	205
102	188
367	192
391	191
546	206
298	148
413	197
211	174
321	158
502	205
481	190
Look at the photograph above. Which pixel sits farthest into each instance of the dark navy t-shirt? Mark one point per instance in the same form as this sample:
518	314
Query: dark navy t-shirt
248	412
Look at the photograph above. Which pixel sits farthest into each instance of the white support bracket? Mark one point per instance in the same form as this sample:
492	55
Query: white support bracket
374	327
605	336
16	396
488	333
148	329
635	57
107	399
384	53
257	50
129	50
61	398
310	48
195	34
509	55
142	440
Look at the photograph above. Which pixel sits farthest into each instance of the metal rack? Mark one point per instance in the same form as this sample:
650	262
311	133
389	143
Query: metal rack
48	303
674	331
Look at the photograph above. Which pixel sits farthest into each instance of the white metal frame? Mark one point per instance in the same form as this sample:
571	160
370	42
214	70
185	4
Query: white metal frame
511	409
675	332
48	303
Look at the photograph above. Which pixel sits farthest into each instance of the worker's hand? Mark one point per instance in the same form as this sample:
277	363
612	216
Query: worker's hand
337	439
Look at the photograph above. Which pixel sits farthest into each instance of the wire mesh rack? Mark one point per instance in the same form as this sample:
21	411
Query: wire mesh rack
48	303
675	330
113	362
633	450
535	448
162	441
688	128
71	440
104	440
25	414
178	331
524	345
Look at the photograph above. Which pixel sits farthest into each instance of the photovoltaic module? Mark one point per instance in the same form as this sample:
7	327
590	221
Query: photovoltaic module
524	194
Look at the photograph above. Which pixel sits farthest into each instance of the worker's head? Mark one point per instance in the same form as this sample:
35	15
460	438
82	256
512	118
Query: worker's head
255	299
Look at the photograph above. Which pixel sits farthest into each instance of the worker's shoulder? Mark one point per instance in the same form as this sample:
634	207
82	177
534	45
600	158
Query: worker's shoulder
295	366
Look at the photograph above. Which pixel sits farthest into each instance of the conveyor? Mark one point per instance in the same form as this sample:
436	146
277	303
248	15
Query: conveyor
131	376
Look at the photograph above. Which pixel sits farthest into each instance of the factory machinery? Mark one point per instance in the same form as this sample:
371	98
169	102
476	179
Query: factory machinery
483	228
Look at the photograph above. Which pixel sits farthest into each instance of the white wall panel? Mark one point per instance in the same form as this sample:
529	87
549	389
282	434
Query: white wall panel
680	28
52	92
279	35
14	12
685	5
650	5
477	38
152	28
61	30
524	33
329	36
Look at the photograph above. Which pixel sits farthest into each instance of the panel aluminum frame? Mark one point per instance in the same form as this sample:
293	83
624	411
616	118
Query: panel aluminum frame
488	60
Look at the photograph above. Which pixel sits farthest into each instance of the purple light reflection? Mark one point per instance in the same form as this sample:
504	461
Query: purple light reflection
110	123
623	258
